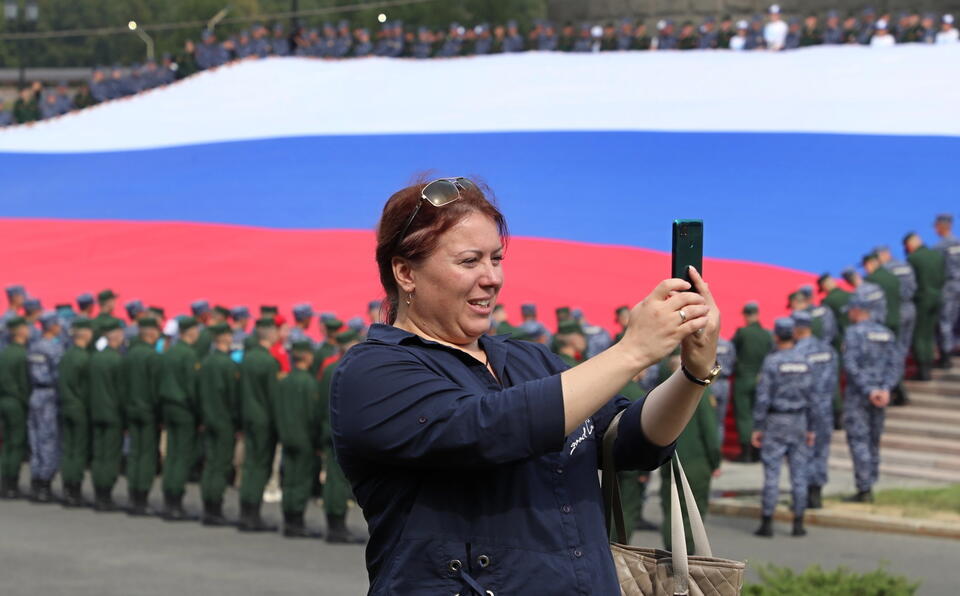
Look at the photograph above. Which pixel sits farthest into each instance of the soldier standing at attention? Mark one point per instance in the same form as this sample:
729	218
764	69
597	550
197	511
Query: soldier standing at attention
201	312
874	294
783	422
873	366
928	267
14	399
949	247
752	343
720	388
73	380
220	407
15	298
181	407
43	429
336	489
302	317
141	405
890	285
327	349
32	309
239	315
570	343
107	301
836	300
259	377
824	365
298	428
85	304
908	289
107	387
135	310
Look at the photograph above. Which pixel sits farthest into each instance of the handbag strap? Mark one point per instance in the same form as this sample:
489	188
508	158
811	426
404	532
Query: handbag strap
610	483
701	543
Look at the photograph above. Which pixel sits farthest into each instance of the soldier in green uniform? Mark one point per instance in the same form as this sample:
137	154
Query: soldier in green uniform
891	289
178	399
623	318
73	382
140	405
259	378
500	324
327	349
201	312
107	387
569	342
633	485
107	301
836	300
752	343
336	489
699	451
298	428
220	406
928	266
14	397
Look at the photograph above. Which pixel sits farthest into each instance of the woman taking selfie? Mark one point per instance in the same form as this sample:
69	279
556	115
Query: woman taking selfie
474	458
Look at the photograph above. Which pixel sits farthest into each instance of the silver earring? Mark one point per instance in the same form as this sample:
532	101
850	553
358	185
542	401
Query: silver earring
409	298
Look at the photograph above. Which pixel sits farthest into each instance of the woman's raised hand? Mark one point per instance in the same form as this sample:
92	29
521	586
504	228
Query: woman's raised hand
699	350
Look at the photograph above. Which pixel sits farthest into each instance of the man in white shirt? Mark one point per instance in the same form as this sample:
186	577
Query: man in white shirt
775	32
738	41
947	33
882	38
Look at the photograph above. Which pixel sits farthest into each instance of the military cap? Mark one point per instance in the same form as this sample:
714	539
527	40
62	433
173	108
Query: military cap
357	324
948	19
222	310
751	308
944	218
332	324
577	314
568	326
148	323
858	300
301	346
268	309
774	9
219	329
532	330
32	304
881	248
870	256
908	236
806	290
239	312
81	323
621	309
105	295
15	291
186	322
528	310
345	337
802	318
134	307
48	318
563	311
199	307
264	322
783	328
15	322
793	296
85	300
848	273
374	304
302	312
111	324
63	306
158	310
823	277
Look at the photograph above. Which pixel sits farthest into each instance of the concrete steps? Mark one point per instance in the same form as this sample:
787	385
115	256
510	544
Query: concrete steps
931	415
931	400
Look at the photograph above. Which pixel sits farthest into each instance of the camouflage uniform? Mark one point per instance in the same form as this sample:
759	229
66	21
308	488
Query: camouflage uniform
784	413
871	360
824	365
43	429
949	247
727	357
876	299
908	310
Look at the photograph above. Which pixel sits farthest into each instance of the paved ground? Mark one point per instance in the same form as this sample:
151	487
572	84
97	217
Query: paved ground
48	551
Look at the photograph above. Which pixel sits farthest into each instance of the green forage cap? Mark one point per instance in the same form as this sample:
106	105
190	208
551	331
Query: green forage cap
220	329
82	323
111	325
263	322
301	346
16	322
221	310
148	322
186	322
267	310
563	311
345	337
569	327
105	295
332	324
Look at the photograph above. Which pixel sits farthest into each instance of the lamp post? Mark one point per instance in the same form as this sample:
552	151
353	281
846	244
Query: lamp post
133	26
31	13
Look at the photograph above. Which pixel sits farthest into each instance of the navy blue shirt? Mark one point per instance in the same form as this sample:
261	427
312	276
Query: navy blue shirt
466	483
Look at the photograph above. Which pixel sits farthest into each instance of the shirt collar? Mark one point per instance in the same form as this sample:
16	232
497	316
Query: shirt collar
494	345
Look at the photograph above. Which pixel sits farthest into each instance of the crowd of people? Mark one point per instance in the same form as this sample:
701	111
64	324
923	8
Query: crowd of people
81	387
397	40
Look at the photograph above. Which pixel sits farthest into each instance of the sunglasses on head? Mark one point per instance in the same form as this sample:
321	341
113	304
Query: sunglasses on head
438	193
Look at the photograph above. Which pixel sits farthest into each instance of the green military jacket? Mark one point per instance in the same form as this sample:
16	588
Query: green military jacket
890	285
107	386
14	382
929	269
204	342
323	353
698	444
141	367
297	408
97	324
219	388
259	379
753	343
323	407
632	391
178	377
836	300
73	379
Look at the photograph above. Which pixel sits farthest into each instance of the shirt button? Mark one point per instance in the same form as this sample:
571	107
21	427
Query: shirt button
422	420
566	509
559	470
577	553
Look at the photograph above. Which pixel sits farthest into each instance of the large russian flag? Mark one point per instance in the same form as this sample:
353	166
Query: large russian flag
262	181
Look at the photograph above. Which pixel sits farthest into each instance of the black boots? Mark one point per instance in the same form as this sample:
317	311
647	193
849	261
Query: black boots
748	454
213	514
294	527
9	488
250	520
337	532
814	498
798	529
173	510
898	397
40	491
766	527
943	361
103	502
73	495
139	504
863	496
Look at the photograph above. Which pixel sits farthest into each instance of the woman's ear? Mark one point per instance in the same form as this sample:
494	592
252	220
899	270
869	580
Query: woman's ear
403	273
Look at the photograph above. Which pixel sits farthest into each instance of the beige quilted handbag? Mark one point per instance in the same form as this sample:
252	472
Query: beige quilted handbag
654	572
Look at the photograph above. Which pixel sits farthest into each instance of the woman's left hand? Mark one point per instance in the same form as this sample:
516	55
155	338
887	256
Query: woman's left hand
698	351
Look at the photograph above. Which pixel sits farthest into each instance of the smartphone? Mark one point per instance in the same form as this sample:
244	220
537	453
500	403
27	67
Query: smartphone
687	248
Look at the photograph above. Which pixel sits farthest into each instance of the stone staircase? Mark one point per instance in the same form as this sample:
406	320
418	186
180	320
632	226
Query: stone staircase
920	440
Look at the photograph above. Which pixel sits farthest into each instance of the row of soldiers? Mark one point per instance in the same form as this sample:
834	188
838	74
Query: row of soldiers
73	396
